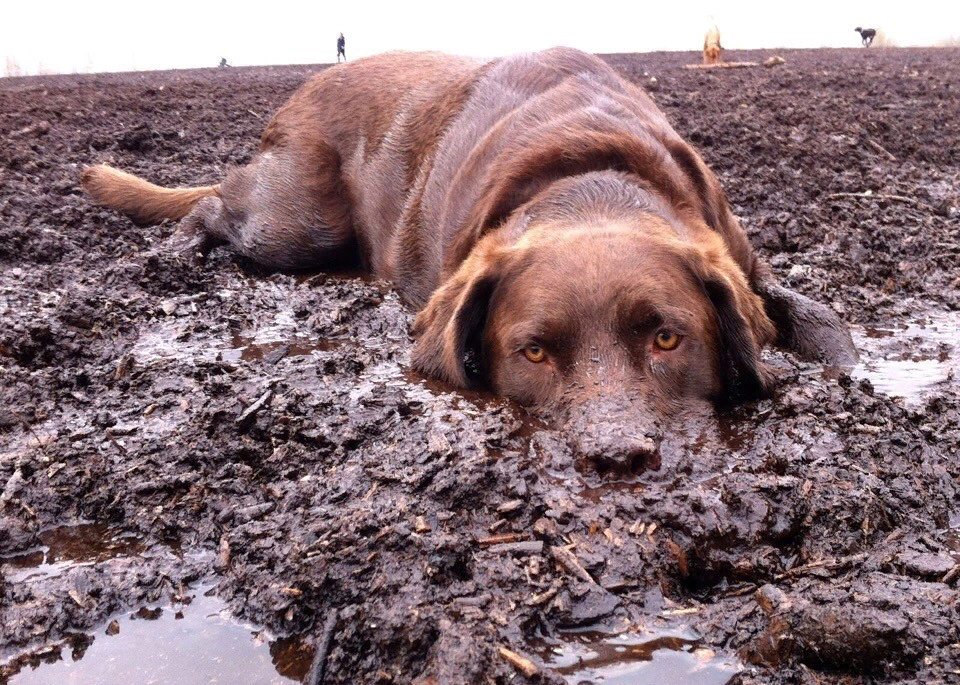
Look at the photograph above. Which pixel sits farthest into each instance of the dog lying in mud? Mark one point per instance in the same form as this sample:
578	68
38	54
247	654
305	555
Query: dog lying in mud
562	244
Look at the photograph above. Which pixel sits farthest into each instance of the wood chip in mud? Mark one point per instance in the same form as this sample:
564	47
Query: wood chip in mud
510	507
501	539
75	596
546	595
569	561
254	408
522	663
420	525
529	547
223	556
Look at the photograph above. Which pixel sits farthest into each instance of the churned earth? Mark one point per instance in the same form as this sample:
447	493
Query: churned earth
256	439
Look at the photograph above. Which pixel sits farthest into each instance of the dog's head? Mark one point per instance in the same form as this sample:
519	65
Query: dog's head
597	316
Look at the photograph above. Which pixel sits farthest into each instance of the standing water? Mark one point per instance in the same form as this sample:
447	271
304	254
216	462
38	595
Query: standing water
190	644
912	360
674	657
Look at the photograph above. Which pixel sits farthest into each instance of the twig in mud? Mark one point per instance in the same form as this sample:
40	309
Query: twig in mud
254	408
523	547
569	561
501	539
739	592
877	147
866	195
825	564
116	443
951	575
42	444
319	665
521	663
546	595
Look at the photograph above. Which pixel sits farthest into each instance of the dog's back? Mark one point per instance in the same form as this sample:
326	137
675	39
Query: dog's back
408	159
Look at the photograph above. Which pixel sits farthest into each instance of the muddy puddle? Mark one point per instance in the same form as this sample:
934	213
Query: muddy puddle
270	343
196	642
250	348
64	547
588	657
911	360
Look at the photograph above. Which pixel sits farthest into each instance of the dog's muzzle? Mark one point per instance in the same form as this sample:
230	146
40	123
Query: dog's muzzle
612	435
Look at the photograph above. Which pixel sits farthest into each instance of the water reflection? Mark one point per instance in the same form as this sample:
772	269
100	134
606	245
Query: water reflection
190	644
65	546
590	657
249	349
912	360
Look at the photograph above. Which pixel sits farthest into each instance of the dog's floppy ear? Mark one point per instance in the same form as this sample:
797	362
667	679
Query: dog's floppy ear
449	330
807	328
743	376
742	329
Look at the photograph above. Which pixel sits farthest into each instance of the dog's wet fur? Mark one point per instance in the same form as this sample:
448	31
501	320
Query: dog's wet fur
562	244
712	50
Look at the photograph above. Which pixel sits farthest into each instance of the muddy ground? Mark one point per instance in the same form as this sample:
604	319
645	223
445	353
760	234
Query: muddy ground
261	431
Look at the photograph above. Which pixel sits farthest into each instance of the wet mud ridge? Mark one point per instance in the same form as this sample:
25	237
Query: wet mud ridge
249	452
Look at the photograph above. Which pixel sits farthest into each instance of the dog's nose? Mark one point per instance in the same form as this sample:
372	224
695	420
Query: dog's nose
610	450
610	438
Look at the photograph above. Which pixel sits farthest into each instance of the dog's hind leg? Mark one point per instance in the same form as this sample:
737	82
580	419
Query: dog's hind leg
285	210
288	209
200	231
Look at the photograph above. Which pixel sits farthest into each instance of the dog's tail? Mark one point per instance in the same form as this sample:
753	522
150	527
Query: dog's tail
144	202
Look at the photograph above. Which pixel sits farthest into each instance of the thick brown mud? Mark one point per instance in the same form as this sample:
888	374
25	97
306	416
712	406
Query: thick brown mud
169	430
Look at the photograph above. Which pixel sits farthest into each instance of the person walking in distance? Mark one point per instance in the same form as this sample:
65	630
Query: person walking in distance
341	48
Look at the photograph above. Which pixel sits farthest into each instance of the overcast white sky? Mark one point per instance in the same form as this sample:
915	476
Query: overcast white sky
107	35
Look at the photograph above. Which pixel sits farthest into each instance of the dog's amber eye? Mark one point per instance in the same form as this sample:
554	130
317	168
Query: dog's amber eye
666	339
535	353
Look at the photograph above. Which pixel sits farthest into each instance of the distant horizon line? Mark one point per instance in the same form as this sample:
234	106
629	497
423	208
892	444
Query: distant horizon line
41	71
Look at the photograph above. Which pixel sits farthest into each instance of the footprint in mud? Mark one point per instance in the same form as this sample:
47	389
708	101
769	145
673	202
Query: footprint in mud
912	360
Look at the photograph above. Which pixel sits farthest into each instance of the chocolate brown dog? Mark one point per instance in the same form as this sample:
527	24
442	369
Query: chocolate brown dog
565	247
